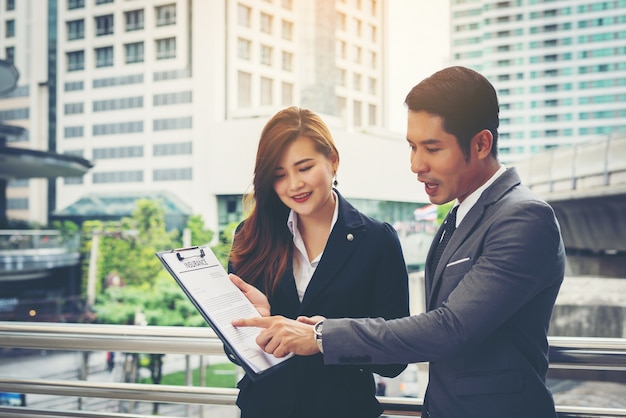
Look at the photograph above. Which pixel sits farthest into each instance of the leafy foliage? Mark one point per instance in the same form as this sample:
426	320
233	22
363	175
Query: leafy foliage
199	234
442	211
131	280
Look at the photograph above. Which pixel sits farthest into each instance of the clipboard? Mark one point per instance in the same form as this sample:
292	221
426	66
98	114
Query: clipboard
206	284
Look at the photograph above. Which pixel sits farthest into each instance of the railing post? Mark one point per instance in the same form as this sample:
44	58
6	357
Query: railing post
202	383
84	370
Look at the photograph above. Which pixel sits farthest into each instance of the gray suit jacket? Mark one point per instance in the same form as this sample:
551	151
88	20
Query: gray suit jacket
488	310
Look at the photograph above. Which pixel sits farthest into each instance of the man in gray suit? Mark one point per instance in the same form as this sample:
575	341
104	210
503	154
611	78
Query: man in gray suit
489	296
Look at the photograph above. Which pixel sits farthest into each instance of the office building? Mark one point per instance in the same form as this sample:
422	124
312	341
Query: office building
168	97
559	67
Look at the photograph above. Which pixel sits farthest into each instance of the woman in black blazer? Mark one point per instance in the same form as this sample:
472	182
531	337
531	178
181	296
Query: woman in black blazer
312	253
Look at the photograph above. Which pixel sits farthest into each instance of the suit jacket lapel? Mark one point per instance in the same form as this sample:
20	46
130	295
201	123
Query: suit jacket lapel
491	195
343	240
428	276
287	287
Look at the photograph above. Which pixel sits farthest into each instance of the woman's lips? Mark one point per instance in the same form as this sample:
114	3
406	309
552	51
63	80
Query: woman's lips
301	197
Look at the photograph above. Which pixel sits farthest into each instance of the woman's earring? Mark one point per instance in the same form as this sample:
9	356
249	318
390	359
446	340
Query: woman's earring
335	182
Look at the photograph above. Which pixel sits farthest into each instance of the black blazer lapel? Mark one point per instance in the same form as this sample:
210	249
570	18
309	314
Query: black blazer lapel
290	303
343	240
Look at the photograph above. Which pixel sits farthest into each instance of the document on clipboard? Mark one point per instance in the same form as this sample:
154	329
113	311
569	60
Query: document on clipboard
207	285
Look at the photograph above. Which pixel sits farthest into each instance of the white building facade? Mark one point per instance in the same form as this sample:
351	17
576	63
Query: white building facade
168	97
23	42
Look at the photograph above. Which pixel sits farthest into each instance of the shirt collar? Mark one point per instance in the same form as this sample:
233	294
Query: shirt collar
471	200
292	219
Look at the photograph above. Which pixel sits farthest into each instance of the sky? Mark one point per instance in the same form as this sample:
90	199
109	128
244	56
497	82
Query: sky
418	46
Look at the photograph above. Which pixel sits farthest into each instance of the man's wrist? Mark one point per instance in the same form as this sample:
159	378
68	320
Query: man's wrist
317	333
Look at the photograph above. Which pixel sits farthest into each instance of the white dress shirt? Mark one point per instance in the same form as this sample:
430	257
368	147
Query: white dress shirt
303	269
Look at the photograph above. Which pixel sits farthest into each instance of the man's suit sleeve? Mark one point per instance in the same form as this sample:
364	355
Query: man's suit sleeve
514	260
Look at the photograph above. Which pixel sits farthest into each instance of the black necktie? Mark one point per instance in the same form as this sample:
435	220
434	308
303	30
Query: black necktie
449	226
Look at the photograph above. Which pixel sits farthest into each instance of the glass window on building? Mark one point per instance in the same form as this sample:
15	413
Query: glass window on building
10	5
356	54
287	61
72	180
287	30
373	60
73	132
118	177
73	108
9	54
372	115
166	48
341	49
134	20
244	48
358	27
104	25
357	119
104	57
166	15
342	106
76	61
373	7
9	28
17	203
18	183
118	152
244	89
341	22
266	55
134	52
243	15
183	148
266	23
169	124
230	210
341	77
373	33
172	174
372	86
267	89
356	81
75	29
287	94
75	4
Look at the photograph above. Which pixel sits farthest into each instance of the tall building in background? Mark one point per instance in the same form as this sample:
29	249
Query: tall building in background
24	43
559	67
168	97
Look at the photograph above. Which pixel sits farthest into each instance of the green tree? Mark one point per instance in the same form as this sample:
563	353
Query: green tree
222	248
127	249
200	235
442	211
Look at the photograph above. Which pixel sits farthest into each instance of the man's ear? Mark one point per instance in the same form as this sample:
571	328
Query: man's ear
482	143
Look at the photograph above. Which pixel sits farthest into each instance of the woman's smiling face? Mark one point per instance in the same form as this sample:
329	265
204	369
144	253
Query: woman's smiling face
303	178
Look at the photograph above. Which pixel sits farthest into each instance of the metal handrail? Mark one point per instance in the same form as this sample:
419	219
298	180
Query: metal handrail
565	352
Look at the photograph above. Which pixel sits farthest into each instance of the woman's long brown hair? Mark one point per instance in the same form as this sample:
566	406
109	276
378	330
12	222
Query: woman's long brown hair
263	246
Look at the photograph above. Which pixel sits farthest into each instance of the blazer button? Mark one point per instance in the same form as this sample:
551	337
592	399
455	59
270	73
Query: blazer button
349	237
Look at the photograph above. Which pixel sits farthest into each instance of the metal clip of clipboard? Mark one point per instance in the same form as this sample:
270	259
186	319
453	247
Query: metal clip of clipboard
181	258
